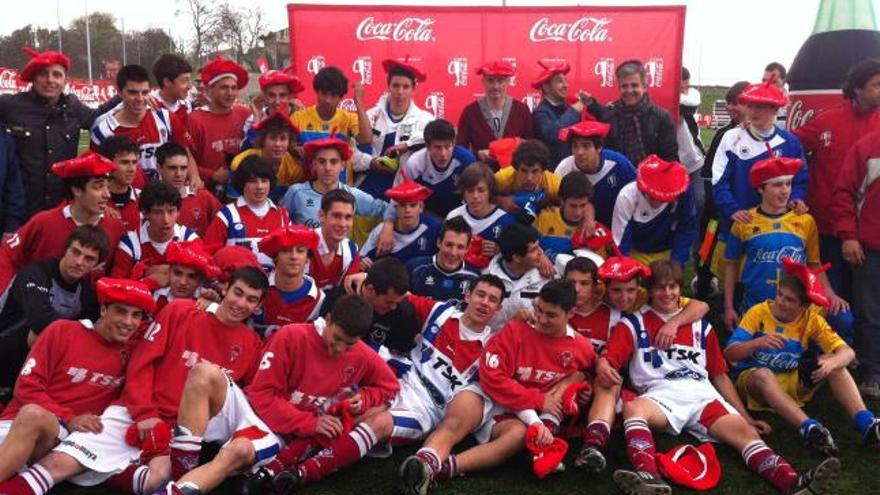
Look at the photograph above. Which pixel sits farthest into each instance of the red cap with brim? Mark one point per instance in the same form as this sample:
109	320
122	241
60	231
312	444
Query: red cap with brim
193	255
287	237
221	68
89	164
661	180
408	192
770	169
125	291
586	129
311	148
810	279
40	61
622	269
692	467
497	68
281	77
391	63
765	93
550	70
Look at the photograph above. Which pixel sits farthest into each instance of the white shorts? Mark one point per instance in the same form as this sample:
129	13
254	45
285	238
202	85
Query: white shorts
6	425
492	414
694	409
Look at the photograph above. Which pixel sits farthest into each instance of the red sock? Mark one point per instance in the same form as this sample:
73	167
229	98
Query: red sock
430	457
640	446
448	470
343	451
597	434
291	455
34	481
131	480
185	451
769	465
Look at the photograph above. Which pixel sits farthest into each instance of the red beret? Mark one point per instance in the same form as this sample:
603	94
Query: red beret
219	68
192	254
622	269
391	63
231	258
815	291
546	459
285	77
692	467
408	192
475	256
125	291
40	61
292	235
502	150
282	115
89	164
496	68
586	128
312	147
765	93
773	168
550	70
662	180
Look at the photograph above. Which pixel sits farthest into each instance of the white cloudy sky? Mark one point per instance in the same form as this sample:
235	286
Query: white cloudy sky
725	40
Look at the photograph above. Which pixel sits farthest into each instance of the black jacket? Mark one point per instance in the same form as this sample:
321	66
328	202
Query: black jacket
658	130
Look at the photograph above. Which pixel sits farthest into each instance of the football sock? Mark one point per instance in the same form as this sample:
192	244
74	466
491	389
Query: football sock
640	445
185	451
804	428
597	434
132	479
344	450
35	481
430	457
448	470
862	421
769	465
291	455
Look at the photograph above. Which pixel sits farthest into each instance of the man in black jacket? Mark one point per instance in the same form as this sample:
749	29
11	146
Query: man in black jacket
45	291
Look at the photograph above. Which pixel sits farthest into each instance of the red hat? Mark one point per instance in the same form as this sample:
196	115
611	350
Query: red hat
550	70
192	254
765	93
125	291
586	128
815	291
570	404
282	115
502	150
231	258
154	443
285	77
315	145
408	192
770	169
40	61
692	467
89	164
475	256
622	269
600	239
662	180
219	68
390	63
545	460
292	235
496	68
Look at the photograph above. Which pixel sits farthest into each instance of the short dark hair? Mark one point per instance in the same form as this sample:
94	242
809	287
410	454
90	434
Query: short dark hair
664	270
734	91
859	75
475	173
275	126
253	167
582	264
332	80
439	130
79	183
455	224
116	145
530	152
559	292
685	74
91	237
488	279
630	67
159	193
795	285
783	74
515	240
388	274
400	71
575	186
167	150
353	314
253	277
133	73
169	66
598	141
337	196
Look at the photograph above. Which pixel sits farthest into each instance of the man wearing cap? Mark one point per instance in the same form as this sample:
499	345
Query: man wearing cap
415	234
218	128
607	170
293	296
74	371
271	139
278	90
554	112
173	76
654	217
198	206
398	126
446	275
189	267
496	114
45	123
778	370
85	179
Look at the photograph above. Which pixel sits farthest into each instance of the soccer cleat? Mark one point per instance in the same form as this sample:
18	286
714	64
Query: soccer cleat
590	459
287	481
415	476
819	438
640	483
257	483
872	436
817	480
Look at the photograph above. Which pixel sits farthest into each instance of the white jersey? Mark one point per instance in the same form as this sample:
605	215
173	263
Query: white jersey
518	291
410	129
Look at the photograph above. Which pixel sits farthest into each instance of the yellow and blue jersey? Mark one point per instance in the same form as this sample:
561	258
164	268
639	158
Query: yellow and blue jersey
555	232
312	126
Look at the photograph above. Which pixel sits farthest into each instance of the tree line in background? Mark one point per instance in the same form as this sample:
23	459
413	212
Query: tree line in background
236	32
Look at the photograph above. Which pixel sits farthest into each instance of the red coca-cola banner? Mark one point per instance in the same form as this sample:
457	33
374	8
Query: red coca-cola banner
450	43
805	104
91	94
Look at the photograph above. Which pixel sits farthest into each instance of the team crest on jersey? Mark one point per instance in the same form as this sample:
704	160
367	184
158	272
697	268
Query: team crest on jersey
379	334
565	358
423	243
429	280
744	150
234	353
310	203
238	226
196	213
612	180
347	374
496	231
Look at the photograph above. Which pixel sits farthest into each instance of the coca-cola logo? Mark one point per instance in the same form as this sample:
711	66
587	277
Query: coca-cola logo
585	29
654	72
512	62
532	100
798	115
363	66
458	68
435	103
315	64
605	70
415	29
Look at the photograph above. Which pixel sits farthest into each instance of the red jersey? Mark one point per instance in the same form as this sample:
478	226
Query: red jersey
280	308
857	193
178	108
155	129
198	209
136	247
216	136
43	236
520	364
826	138
596	325
298	379
71	370
130	211
182	336
345	262
237	225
